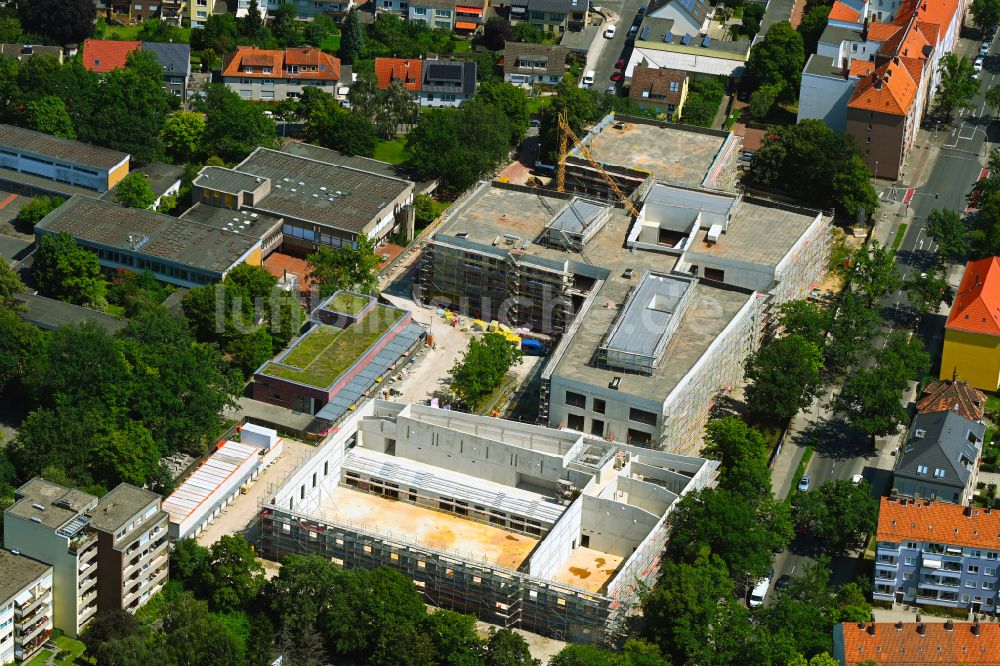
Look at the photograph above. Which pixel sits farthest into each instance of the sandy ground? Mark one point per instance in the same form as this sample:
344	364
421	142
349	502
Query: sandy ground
239	514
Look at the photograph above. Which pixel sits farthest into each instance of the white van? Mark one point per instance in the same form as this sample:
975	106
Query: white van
588	79
759	591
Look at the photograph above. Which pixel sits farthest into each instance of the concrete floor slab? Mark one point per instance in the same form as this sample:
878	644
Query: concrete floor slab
588	569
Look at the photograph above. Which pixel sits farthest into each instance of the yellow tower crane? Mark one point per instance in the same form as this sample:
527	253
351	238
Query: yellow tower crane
565	134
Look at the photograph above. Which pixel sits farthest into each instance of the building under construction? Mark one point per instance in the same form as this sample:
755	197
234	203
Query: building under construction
549	531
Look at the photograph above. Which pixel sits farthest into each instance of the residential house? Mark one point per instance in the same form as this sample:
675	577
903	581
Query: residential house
25	607
661	43
306	9
106	55
136	11
455	15
972	333
662	90
24	52
909	643
937	554
940	458
952	395
526	64
433	82
198	11
689	17
552	16
272	75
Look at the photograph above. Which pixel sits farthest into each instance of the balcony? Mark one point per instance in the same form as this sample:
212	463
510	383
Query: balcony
953	583
88	597
32	605
87	583
88	568
82	543
23	652
86	613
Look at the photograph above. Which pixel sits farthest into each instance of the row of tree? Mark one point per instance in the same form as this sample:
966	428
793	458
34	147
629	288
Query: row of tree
483	367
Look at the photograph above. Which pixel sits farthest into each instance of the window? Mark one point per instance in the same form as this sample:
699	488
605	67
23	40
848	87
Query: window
675	86
909	561
576	400
908	575
638	437
970	583
989	571
973	569
641	416
442	12
597	427
938	473
988	584
420	11
267	82
267	70
922	470
574	422
715	274
599	405
912	545
246	81
965	598
538	15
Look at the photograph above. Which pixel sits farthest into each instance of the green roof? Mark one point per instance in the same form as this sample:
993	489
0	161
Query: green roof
345	302
325	352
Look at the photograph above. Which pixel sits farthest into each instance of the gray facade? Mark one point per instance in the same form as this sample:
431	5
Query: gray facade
175	59
940	459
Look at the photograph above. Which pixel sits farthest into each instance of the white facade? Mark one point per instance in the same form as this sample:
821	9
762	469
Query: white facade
435	17
62	171
27	612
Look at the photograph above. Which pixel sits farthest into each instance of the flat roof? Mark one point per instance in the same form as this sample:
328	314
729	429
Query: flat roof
50	314
227	219
758	233
114	509
46	494
68	150
588	569
182	241
230	181
709	310
669	152
329	194
331	156
436	530
647	313
207	479
320	356
819	65
18	573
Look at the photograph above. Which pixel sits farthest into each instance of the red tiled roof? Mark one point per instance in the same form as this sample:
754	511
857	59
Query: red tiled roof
105	55
843	12
406	70
903	644
940	522
879	32
889	89
977	302
656	84
312	64
862	67
952	396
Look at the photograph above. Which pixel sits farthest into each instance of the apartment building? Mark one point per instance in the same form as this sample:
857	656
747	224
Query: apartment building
23	52
525	64
47	162
306	9
952	395
106	55
133	12
940	458
25	606
552	16
107	553
875	72
662	90
198	11
663	43
132	547
938	554
910	643
272	75
972	333
432	82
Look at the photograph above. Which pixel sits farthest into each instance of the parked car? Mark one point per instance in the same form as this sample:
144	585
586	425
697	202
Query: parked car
783	582
617	76
760	590
620	64
978	65
610	31
642	10
612	89
535	122
984	50
803	484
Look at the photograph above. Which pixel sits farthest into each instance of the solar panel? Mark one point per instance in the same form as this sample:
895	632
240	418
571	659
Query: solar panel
685	40
645	33
667	38
705	42
688	5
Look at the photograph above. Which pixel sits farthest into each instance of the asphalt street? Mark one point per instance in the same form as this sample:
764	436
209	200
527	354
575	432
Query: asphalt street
961	151
616	47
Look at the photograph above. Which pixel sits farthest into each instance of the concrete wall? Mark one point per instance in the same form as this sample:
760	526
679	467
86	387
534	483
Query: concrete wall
614	528
614	423
559	543
825	98
99	180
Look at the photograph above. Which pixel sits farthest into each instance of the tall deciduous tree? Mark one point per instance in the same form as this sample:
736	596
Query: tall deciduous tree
875	273
986	14
182	135
511	102
134	191
784	376
251	25
49	115
233	126
949	231
66	271
927	291
778	59
838	513
332	126
483	367
496	32
352	38
345	268
62	21
806	319
958	84
232	576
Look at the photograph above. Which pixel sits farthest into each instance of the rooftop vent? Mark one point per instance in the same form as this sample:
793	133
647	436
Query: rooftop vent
713	233
38	506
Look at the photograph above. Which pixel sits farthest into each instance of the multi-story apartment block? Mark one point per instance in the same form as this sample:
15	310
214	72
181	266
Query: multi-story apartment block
167	10
524	64
456	15
306	9
940	458
132	547
432	82
555	16
937	554
198	11
267	75
106	55
25	606
105	554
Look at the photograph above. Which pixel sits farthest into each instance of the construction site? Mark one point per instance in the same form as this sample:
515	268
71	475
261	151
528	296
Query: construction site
528	527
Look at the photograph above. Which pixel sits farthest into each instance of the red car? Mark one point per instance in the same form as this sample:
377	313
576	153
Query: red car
617	76
620	64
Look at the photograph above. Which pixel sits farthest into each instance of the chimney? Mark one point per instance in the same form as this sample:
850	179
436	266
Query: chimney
975	628
968	511
949	626
922	629
918	618
871	629
864	30
899	626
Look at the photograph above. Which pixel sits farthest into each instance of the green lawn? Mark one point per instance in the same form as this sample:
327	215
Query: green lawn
391	151
131	32
461	46
992	403
328	351
331	44
67	644
536	104
899	237
347	303
41	658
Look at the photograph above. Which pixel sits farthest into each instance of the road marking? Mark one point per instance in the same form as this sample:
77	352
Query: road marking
921	245
3	204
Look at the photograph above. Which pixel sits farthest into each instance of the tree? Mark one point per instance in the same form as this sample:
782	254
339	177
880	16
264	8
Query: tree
425	209
986	15
344	268
19	343
579	109
511	102
812	26
182	135
49	115
332	126
157	30
506	648
218	33
303	590
805	319
875	273
750	23
231	575
109	625
483	367
453	636
778	59
784	376
352	38
948	230
738	447
763	99
35	210
284	26
10	284
958	84
10	30
66	271
251	25
527	32
838	514
134	191
927	291
683	612
851	333
187	561
62	21
497	32
319	28
233	126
